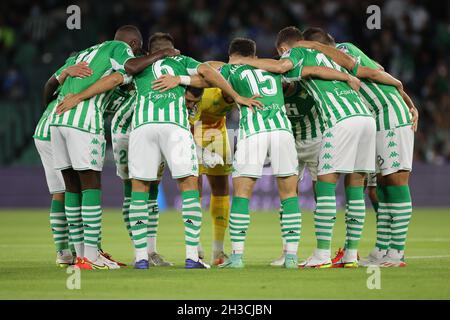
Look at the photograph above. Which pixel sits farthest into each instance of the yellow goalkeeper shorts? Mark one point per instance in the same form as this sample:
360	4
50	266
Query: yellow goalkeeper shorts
215	139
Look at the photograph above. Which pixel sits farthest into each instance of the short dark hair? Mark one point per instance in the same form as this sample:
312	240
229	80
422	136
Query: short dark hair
127	32
242	46
196	92
319	35
159	40
288	35
129	28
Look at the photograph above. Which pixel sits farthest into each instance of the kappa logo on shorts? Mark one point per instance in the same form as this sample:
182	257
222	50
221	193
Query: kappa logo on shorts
329	135
392	144
390	134
328	145
396	164
327	156
393	155
94	152
327	166
94	162
95	141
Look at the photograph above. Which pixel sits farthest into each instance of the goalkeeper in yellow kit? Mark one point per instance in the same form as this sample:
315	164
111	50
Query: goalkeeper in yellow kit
208	109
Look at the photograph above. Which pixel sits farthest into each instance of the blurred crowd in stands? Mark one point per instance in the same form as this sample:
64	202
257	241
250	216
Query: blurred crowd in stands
413	43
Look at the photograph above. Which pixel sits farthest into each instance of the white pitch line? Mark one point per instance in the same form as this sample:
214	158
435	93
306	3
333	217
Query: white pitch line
428	257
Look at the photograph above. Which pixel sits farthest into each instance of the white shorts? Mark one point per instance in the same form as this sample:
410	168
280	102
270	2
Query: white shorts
251	153
150	144
120	142
55	181
308	156
348	147
394	150
80	150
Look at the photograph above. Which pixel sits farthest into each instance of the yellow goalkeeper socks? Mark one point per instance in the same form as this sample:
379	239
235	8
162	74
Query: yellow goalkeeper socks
220	213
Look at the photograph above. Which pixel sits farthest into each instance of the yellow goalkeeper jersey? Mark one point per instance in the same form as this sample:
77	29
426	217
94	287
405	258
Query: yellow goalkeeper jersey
210	130
212	109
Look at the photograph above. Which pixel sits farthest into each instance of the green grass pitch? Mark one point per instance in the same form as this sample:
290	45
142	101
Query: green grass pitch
27	269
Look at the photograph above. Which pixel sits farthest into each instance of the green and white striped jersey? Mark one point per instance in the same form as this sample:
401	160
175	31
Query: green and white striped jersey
386	103
153	106
103	59
249	81
116	100
122	120
120	110
335	99
306	119
42	131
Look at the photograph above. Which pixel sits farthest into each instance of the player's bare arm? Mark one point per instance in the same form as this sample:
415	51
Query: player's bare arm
341	58
80	70
216	80
379	76
216	64
137	65
349	63
167	82
326	73
104	84
271	65
412	108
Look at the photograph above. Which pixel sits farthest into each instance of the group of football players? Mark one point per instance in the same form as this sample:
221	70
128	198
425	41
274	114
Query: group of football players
322	106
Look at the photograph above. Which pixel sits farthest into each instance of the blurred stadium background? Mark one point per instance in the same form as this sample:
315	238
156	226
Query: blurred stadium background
413	44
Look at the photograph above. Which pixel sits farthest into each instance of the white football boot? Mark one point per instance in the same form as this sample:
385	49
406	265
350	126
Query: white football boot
102	260
319	260
374	258
64	258
393	259
280	261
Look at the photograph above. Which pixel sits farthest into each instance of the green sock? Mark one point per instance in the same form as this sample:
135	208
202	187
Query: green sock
239	222
139	223
355	215
400	207
192	216
91	212
72	203
126	206
291	222
325	214
383	220
58	224
153	218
